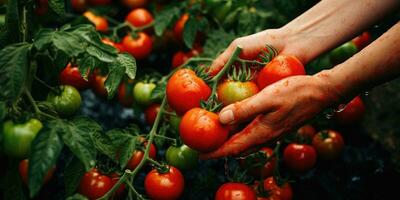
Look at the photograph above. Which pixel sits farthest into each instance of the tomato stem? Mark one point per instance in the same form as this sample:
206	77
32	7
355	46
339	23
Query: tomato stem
137	194
174	142
46	85
35	106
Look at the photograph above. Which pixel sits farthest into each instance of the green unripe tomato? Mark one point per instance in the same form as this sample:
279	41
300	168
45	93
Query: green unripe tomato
182	157
67	102
142	92
343	52
174	121
17	138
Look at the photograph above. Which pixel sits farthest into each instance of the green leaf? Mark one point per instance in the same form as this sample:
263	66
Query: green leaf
13	71
72	175
214	44
11	184
101	55
114	78
164	18
77	197
124	143
129	63
12	24
86	65
68	43
46	148
43	39
190	31
104	145
159	92
58	6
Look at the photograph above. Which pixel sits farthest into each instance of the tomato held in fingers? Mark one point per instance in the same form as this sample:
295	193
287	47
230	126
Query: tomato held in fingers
139	47
134	3
328	144
151	113
362	40
342	53
23	172
185	90
235	191
182	157
137	156
300	157
168	185
142	92
94	184
139	17
201	130
79	5
352	113
260	168
234	91
280	67
99	22
67	102
125	93
17	138
97	82
275	191
71	76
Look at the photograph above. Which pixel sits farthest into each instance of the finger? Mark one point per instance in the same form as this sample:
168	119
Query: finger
245	109
254	134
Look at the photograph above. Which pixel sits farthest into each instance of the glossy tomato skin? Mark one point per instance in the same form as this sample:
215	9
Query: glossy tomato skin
300	157
79	5
17	138
118	46
142	92
306	133
263	171
362	40
94	184
97	82
125	93
352	113
99	2
179	26
342	53
151	113
185	91
179	58
280	67
275	191
234	91
68	102
201	130
71	76
99	22
328	144
139	47
134	3
137	156
235	191
24	173
139	17
182	157
164	186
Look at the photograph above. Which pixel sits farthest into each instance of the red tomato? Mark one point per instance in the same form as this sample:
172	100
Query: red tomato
234	91
97	82
134	3
94	184
164	186
137	156
99	22
139	17
253	165
139	47
71	76
99	2
275	191
79	5
179	58
362	40
120	191
42	7
328	144
280	67
179	26
151	113
113	44
306	132
352	113
235	191
125	94
185	90
23	172
300	157
202	131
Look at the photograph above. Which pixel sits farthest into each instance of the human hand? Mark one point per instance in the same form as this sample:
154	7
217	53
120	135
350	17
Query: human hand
277	109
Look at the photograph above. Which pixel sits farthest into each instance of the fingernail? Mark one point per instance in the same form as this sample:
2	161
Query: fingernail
226	117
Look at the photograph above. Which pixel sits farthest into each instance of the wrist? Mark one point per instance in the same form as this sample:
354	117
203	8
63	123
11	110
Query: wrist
333	91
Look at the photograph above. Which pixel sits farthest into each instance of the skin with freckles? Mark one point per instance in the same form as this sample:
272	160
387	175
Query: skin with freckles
288	103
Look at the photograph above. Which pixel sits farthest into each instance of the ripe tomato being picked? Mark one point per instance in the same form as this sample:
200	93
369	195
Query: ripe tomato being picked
235	191
134	3
71	76
352	113
97	82
201	130
182	157
67	102
23	172
137	155
17	138
99	22
163	186
280	67
276	191
125	94
234	91
300	157
142	92
139	17
94	184
185	90
328	144
139	47
260	168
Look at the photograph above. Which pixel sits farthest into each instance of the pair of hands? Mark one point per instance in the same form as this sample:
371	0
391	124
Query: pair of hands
279	107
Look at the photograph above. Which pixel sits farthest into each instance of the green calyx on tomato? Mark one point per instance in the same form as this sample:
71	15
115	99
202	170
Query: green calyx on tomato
67	102
17	138
343	52
142	92
182	157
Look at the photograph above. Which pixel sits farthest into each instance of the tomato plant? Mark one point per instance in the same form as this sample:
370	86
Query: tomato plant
234	91
71	75
134	3
97	82
182	157
328	144
99	22
142	92
67	102
260	167
137	156
270	189
232	191
139	47
125	93
164	185
151	113
179	26
343	52
23	172
139	17
306	133
300	157
94	184
352	112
